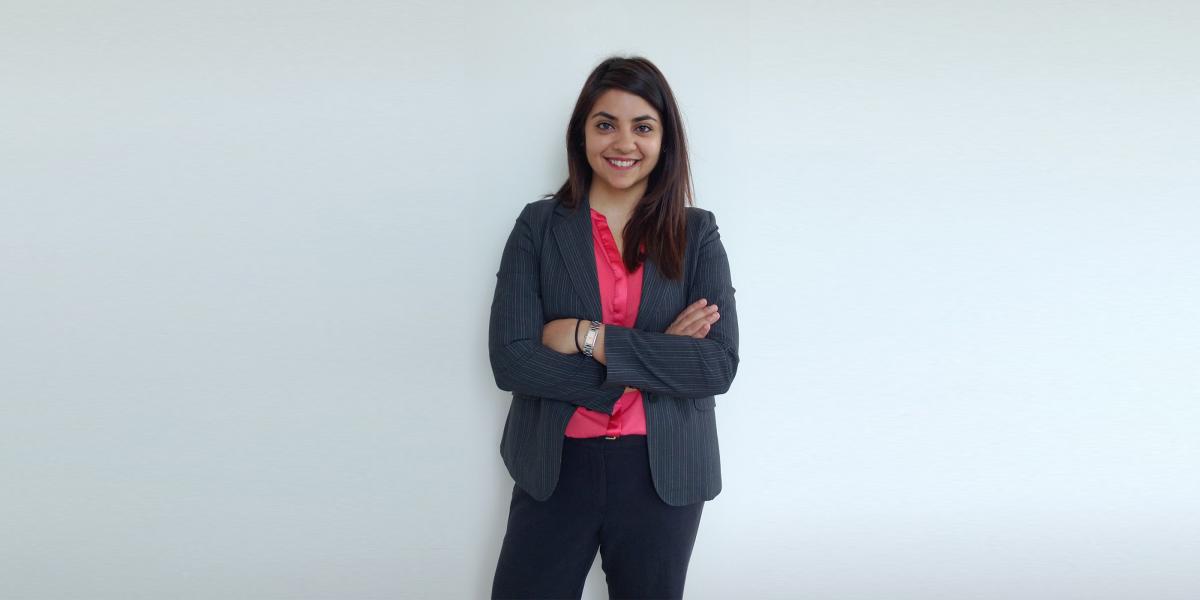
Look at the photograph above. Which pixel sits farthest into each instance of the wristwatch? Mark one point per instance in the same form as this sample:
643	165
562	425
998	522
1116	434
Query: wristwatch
589	341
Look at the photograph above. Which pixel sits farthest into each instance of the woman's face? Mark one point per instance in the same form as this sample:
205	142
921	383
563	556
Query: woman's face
624	127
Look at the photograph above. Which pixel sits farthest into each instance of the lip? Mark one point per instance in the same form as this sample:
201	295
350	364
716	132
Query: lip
636	162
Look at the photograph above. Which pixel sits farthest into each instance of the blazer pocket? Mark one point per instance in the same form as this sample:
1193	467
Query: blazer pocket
705	403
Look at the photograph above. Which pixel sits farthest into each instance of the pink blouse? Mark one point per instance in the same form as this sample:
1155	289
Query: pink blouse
620	295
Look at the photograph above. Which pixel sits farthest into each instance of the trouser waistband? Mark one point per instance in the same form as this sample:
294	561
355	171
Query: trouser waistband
620	441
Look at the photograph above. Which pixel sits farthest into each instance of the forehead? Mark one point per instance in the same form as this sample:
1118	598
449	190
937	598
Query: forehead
623	105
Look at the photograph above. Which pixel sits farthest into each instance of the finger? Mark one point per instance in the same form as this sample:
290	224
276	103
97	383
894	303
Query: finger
691	317
705	326
690	309
694	327
699	317
685	319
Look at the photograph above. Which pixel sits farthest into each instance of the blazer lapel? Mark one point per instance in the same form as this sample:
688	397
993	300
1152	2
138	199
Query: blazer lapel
653	286
574	236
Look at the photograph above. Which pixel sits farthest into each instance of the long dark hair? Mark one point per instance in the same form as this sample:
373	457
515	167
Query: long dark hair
660	218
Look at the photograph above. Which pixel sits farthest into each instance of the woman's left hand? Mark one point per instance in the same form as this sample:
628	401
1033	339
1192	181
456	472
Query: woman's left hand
559	335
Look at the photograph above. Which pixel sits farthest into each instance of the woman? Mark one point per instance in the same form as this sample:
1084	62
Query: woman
605	328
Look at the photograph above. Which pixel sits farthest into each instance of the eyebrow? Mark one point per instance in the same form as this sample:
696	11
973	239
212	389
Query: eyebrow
635	119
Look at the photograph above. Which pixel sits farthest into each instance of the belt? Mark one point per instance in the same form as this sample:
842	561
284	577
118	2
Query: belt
614	441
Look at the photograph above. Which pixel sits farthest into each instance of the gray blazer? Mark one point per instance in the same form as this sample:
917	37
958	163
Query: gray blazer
548	271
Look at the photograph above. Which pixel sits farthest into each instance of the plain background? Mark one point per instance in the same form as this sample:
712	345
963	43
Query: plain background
247	252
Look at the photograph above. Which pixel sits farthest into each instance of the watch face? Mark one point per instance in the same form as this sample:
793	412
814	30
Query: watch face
590	339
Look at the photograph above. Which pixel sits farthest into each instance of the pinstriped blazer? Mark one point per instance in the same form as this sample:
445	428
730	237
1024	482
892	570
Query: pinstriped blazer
548	271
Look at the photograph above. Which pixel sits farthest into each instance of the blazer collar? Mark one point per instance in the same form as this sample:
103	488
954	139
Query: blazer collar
573	232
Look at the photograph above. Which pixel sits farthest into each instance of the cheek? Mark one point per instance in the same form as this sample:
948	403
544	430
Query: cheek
655	153
594	151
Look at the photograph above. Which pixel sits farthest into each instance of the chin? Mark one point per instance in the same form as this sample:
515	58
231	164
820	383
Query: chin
620	185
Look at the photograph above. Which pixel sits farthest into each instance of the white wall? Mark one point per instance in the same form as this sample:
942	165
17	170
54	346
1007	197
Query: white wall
247	251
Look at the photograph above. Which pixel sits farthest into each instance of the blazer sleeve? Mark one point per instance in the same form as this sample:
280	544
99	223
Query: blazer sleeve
677	365
520	362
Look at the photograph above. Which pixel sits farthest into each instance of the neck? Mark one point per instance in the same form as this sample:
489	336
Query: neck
613	202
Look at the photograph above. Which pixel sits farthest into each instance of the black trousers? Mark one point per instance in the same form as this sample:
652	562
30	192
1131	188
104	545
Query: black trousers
604	499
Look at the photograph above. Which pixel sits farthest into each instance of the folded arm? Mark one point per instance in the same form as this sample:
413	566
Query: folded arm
520	362
677	365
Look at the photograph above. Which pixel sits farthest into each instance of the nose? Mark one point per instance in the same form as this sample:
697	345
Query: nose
626	143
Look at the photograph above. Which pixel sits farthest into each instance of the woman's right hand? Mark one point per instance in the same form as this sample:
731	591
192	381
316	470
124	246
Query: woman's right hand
695	320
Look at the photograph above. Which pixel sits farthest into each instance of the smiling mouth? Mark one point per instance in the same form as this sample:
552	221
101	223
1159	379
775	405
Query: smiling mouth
622	165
